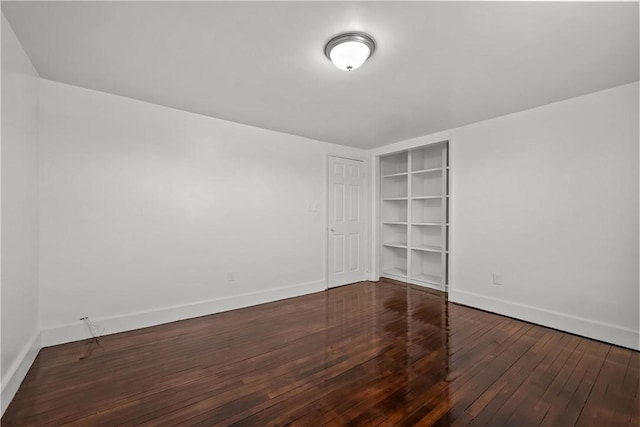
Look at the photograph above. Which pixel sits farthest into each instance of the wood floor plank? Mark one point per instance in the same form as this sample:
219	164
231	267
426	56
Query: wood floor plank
368	354
498	393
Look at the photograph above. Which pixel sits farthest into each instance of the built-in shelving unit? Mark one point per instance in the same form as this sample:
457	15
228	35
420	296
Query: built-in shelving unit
414	214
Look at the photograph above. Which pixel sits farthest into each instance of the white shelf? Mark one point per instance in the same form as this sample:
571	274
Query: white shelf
434	224
427	210
428	278
395	164
391	175
395	235
396	245
427	240
426	266
397	272
395	211
391	199
426	197
395	186
427	170
394	223
427	248
428	157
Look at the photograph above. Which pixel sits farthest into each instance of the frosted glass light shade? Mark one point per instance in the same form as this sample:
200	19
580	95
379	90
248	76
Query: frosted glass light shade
350	50
349	56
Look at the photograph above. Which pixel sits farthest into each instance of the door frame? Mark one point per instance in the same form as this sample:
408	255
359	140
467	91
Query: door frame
366	209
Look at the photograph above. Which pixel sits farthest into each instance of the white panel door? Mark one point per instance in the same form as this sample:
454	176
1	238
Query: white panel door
347	221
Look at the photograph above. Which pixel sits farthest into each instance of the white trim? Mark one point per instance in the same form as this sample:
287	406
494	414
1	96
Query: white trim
601	331
77	331
372	169
375	228
355	158
325	221
410	144
451	218
18	371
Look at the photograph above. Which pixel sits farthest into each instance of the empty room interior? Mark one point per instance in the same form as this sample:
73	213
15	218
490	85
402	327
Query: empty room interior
320	213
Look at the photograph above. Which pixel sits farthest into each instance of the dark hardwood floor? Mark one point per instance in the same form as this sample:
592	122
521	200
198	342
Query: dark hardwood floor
373	354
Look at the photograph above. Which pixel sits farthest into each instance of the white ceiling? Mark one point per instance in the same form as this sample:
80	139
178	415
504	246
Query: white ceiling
438	65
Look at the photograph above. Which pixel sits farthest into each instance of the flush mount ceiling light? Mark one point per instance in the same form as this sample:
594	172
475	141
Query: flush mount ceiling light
348	51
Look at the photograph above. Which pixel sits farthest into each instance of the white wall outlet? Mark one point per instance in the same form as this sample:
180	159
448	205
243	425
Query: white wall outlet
231	276
497	279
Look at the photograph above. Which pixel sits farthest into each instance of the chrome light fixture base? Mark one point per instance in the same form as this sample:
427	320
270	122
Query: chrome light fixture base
353	38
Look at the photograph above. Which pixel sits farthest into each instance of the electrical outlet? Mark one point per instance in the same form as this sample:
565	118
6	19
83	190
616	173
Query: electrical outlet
231	276
497	279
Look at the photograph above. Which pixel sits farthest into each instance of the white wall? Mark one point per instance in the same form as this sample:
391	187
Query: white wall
145	208
549	198
19	175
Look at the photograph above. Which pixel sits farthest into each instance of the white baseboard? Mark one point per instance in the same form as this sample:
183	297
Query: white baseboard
18	370
78	331
601	331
